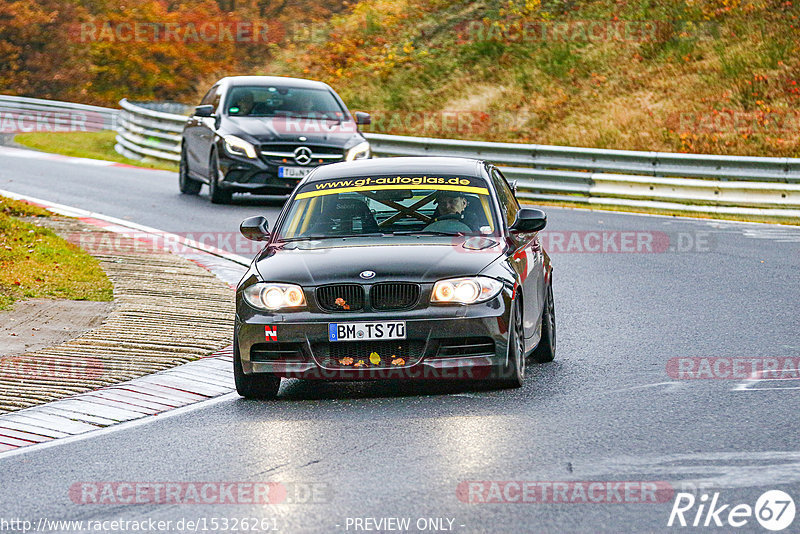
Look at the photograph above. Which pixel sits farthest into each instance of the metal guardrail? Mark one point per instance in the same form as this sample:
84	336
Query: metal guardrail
700	183
151	129
655	180
20	114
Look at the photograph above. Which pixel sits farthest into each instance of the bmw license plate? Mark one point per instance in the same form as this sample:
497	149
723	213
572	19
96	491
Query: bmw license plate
366	331
293	172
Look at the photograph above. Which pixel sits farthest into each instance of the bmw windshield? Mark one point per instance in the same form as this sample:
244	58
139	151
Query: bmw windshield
376	206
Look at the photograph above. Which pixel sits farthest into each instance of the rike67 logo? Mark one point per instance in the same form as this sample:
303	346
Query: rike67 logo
774	510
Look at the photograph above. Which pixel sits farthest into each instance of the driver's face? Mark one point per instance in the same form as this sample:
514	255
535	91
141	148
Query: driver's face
307	104
454	205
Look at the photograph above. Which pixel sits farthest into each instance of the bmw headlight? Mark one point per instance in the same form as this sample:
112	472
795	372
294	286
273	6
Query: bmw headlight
360	151
465	290
273	297
239	147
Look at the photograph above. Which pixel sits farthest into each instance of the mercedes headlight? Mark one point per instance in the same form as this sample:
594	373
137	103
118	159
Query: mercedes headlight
239	147
465	290
273	297
360	151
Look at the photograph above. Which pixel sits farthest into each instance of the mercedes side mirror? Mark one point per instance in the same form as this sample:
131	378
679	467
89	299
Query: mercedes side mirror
529	220
204	111
255	228
363	118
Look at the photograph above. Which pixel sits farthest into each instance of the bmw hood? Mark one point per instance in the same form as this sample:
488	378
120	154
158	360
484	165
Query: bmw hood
330	261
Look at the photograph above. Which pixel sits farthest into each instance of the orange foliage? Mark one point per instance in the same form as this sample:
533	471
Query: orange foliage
101	51
37	57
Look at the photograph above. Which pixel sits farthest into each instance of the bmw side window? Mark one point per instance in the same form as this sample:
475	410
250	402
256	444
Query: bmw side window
505	195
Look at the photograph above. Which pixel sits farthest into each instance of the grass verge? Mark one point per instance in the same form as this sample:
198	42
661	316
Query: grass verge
93	145
36	263
701	76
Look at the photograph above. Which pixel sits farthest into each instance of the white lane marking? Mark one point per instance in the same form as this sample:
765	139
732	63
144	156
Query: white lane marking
704	469
656	215
782	233
776	234
758	380
121	426
34	154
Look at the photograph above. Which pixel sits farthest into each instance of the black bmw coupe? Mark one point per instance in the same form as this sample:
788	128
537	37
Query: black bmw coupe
397	268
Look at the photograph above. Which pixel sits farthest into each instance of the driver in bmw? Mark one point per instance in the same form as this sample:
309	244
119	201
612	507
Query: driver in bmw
451	213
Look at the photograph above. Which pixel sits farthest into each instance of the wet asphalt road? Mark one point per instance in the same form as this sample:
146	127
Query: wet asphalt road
607	409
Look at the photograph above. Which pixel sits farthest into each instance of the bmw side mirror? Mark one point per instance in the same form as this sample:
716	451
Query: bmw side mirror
204	111
255	228
529	220
363	118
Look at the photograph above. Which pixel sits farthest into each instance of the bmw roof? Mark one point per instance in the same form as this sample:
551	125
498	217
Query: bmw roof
402	165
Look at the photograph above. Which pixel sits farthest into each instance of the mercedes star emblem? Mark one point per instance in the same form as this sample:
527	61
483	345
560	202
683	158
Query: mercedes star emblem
302	155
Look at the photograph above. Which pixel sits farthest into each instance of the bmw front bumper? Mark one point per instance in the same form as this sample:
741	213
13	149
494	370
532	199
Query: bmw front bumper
442	342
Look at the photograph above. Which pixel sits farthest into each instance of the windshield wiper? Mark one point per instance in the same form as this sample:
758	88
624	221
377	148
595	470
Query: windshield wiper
373	234
317	237
428	232
324	117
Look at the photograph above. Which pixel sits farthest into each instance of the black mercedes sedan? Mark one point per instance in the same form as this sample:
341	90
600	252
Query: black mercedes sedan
396	268
263	134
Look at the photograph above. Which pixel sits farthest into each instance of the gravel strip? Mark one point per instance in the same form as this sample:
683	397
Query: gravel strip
167	311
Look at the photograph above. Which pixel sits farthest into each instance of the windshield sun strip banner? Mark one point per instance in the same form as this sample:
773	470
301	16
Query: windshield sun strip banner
463	189
377	183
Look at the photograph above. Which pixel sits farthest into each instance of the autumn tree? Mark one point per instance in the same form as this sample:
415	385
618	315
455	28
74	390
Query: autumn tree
37	55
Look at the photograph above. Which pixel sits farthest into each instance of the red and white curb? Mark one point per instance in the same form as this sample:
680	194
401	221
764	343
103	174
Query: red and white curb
139	398
136	400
